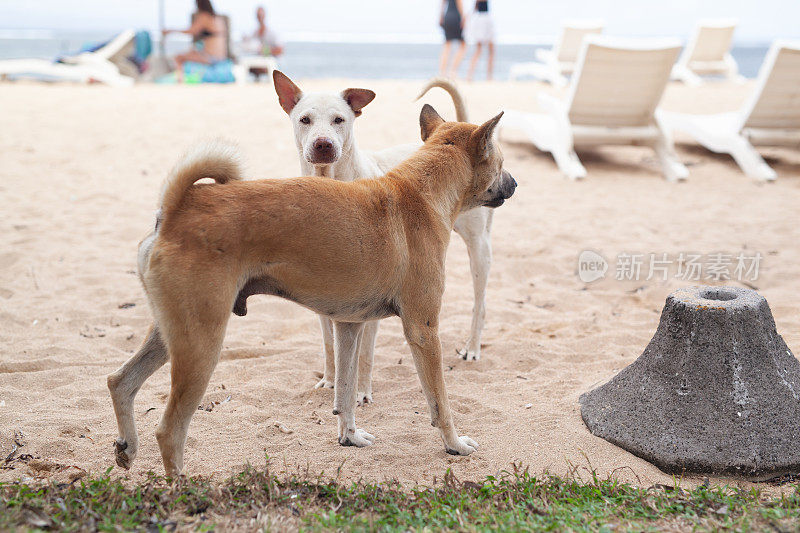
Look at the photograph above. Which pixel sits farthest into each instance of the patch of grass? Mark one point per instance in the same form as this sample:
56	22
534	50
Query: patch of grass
514	500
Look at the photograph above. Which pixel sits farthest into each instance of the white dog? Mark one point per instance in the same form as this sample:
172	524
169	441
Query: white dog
323	130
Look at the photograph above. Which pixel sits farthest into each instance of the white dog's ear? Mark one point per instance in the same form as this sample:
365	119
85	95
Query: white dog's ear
429	120
288	93
480	141
357	99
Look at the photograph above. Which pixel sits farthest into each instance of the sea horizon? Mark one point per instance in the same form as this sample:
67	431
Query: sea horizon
333	55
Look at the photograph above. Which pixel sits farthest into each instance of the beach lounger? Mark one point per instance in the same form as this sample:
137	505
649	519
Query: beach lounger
561	59
770	118
708	53
245	63
108	64
612	99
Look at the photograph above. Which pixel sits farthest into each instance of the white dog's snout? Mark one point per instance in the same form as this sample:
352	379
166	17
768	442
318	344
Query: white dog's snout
322	149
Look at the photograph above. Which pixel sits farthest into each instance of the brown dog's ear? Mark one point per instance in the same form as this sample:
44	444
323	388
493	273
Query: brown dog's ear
357	99
481	139
429	120
288	93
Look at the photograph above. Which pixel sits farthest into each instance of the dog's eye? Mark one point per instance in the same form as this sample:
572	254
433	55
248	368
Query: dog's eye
338	120
305	120
448	141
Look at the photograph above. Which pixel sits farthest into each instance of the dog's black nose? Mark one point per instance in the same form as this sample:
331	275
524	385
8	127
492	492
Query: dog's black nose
323	144
509	186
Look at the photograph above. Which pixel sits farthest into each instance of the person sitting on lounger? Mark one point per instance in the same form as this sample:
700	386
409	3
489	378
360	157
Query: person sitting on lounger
209	35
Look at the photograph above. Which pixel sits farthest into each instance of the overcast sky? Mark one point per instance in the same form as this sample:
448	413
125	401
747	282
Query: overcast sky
759	20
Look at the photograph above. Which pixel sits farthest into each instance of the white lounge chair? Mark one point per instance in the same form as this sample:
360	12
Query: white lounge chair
107	64
708	52
770	118
612	100
561	59
241	71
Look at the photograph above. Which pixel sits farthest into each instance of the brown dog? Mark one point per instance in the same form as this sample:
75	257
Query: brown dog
352	251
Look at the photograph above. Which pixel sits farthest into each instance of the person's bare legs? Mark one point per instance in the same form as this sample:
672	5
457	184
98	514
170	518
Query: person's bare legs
490	60
459	56
474	63
445	59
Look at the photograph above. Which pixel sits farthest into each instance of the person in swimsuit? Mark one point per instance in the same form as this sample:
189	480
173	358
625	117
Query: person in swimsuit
452	22
209	36
480	31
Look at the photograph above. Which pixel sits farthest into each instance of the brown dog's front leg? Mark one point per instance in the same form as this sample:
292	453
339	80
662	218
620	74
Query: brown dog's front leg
427	351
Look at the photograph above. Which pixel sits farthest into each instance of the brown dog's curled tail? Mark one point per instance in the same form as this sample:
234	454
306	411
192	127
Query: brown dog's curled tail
217	160
452	90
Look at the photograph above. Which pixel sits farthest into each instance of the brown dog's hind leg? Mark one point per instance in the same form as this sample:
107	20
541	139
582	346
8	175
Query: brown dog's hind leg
194	335
125	383
423	338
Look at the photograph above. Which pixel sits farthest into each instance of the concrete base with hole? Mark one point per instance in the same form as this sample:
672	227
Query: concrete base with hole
716	392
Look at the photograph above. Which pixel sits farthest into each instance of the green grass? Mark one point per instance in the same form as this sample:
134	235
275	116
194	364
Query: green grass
512	501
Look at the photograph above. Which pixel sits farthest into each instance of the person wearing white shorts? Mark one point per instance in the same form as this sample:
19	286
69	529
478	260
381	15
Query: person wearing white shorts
480	30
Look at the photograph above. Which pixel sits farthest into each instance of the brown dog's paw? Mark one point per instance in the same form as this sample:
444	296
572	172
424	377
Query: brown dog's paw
121	455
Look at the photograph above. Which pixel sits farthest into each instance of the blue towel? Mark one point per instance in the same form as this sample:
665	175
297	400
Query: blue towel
143	46
219	72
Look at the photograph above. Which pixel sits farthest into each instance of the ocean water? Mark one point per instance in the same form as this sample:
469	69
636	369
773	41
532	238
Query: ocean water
334	59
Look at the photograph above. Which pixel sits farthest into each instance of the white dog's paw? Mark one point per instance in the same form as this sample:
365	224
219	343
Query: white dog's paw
364	397
463	446
324	383
358	438
469	355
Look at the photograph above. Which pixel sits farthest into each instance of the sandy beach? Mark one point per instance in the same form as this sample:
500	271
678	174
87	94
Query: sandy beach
80	171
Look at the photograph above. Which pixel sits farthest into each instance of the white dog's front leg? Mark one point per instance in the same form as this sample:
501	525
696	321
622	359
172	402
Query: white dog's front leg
347	335
366	356
329	372
474	227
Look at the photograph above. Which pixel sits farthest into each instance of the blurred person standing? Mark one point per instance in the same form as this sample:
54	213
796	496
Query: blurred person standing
480	30
263	41
452	22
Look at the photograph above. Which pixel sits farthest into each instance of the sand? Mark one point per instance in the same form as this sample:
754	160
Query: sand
80	170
